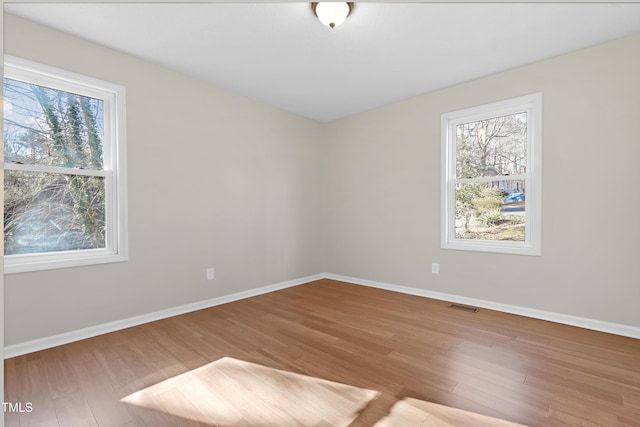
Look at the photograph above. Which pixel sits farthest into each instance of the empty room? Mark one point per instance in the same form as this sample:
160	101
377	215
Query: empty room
321	214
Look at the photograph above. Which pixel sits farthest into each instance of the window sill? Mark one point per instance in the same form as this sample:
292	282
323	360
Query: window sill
512	248
27	263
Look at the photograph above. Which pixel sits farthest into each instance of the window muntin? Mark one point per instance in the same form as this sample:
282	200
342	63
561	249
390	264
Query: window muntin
491	177
65	189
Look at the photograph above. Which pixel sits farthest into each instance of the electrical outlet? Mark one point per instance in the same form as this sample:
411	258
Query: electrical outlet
435	268
211	273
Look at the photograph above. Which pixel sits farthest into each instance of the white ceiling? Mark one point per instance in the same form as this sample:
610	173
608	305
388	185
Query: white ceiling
280	54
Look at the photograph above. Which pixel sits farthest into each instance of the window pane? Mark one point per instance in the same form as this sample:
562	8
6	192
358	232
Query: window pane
50	127
492	147
47	212
491	211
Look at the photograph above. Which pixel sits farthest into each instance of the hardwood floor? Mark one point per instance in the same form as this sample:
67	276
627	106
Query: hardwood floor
332	354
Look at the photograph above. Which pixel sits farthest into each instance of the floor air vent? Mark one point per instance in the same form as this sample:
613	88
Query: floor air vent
464	308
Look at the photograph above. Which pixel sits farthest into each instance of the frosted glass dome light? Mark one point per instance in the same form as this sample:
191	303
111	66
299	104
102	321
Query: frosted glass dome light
332	14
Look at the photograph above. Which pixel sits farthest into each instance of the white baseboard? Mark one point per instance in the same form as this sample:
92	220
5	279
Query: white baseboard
581	322
92	331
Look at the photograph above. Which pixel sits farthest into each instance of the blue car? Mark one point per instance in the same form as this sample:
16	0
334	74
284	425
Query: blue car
514	197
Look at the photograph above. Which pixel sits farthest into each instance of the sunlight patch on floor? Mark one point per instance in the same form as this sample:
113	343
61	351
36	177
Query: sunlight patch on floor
419	413
233	392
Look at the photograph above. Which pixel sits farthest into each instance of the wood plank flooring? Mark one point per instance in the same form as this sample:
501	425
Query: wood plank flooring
332	354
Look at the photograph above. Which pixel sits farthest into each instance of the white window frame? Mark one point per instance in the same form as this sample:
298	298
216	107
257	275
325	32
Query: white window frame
532	245
114	169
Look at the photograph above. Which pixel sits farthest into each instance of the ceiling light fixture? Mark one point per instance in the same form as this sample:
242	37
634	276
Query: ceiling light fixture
332	14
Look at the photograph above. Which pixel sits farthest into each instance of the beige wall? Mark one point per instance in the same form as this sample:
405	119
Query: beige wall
383	191
215	179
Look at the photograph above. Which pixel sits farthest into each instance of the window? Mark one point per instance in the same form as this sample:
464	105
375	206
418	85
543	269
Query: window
491	177
64	170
